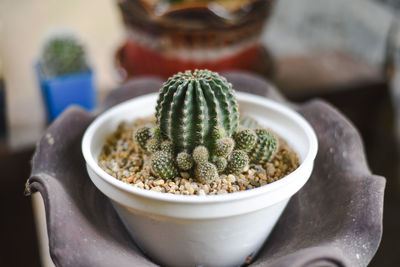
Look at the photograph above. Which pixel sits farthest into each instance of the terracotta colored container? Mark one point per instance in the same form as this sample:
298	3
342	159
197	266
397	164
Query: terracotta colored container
164	39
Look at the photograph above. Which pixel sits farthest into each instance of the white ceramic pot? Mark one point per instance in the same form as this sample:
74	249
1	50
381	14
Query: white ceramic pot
218	230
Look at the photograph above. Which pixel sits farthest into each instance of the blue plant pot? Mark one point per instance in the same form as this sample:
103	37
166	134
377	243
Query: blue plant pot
59	92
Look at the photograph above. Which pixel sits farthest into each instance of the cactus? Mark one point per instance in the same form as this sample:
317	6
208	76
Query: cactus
63	55
218	133
265	148
163	166
167	147
153	145
248	122
191	105
200	154
143	135
220	163
237	161
185	161
224	147
245	139
205	172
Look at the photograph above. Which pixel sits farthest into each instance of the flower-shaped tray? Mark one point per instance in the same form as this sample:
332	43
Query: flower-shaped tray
335	220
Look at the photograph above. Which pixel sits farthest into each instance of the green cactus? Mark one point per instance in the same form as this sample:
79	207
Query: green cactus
163	166
153	145
245	139
220	163
265	148
191	105
167	146
238	159
143	135
224	147
185	161
200	154
248	122
205	172
218	133
63	55
157	133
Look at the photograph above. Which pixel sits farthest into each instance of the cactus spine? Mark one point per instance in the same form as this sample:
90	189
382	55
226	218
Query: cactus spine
191	105
265	148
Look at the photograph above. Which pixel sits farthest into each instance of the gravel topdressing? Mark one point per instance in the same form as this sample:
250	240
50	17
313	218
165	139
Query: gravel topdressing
122	158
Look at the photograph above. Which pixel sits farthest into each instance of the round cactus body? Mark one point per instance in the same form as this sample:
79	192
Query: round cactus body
163	166
167	146
200	154
238	159
265	148
220	163
143	135
245	139
152	145
224	147
191	105
185	161
205	172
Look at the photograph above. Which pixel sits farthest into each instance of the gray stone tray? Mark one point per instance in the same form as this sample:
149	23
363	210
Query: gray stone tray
334	220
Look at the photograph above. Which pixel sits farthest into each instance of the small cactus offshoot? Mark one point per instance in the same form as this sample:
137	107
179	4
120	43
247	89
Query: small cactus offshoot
245	139
223	147
218	133
185	161
220	163
205	172
167	146
163	166
200	154
237	161
152	145
143	135
265	148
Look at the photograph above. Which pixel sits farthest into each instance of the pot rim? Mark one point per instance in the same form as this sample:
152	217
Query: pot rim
194	199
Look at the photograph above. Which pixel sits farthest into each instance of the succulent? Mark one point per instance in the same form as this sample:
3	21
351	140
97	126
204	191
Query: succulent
218	133
245	139
205	172
265	148
248	122
153	145
191	105
237	161
143	135
197	121
163	165
220	163
185	161
63	55
200	154
224	147
167	146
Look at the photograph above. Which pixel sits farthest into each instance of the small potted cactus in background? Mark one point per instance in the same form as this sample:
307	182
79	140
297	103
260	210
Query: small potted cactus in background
65	76
197	130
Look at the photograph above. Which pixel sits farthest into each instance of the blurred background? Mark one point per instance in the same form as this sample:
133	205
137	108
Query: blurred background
345	52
